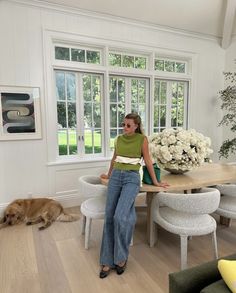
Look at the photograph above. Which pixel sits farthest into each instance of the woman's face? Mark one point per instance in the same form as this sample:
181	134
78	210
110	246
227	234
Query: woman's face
129	126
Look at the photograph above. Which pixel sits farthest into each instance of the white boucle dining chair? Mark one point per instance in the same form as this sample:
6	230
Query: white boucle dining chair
186	215
93	207
227	207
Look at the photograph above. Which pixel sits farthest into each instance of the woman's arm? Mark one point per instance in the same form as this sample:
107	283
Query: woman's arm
149	165
107	176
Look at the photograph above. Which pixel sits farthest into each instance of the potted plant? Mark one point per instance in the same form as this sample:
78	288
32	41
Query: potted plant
228	98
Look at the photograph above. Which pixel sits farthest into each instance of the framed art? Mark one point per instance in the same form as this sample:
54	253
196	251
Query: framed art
20	117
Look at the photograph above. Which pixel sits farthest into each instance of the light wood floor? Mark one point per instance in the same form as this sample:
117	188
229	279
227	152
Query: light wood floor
55	261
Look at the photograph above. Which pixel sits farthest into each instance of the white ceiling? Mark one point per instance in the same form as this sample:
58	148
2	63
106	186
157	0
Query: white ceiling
200	16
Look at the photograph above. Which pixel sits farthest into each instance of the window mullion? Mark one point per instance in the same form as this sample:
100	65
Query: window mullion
159	106
77	93
186	89
128	95
80	117
147	105
150	106
177	104
92	114
67	122
168	104
106	114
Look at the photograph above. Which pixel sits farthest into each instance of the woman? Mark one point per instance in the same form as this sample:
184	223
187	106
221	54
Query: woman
123	187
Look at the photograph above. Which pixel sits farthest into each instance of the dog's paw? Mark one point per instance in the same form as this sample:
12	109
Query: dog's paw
41	228
28	223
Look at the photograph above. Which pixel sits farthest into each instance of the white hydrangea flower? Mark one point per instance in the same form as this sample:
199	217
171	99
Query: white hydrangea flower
179	149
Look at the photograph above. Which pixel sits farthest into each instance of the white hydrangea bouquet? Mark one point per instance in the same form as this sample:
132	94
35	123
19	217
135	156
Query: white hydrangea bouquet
179	150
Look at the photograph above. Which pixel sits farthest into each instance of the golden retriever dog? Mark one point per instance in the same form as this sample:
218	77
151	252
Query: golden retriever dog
33	211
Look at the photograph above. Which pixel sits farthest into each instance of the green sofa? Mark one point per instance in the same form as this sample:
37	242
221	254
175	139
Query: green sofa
204	278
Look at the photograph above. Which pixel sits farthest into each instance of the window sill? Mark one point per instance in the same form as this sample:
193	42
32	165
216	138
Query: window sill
71	161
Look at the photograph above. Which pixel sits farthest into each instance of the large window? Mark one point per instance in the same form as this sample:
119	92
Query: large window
91	95
96	88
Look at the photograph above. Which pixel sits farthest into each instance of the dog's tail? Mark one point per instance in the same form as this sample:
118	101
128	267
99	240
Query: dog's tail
64	217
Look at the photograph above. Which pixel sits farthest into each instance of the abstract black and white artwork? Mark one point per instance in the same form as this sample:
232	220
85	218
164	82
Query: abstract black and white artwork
20	113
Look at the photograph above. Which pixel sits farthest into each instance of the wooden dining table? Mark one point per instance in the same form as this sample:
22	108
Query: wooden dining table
209	174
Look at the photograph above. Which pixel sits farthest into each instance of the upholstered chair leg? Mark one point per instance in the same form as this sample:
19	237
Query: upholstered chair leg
215	244
153	234
225	221
83	224
184	251
87	232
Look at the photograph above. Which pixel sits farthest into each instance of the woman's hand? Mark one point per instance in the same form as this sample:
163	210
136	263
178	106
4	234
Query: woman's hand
149	165
162	184
104	176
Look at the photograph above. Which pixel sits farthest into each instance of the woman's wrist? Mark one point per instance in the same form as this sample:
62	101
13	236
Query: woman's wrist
155	181
104	176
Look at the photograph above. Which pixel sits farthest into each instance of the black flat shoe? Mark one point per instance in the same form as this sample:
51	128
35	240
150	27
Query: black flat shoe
120	269
103	274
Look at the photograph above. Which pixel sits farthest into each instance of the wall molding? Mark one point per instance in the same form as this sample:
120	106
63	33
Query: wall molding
102	16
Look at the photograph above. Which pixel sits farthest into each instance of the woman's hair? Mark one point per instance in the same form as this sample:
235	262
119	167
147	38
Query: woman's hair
137	120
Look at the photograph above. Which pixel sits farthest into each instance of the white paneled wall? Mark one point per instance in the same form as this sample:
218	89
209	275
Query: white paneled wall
24	164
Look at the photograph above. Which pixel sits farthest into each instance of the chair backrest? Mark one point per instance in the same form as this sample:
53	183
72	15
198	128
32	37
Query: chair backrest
204	202
90	186
227	189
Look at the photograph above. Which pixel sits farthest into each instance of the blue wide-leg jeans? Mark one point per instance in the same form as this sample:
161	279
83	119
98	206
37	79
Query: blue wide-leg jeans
120	216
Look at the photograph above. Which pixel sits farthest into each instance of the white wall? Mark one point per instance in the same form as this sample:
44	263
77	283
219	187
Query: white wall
230	65
23	164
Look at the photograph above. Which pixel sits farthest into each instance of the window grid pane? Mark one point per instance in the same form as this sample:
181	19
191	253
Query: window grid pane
66	113
72	142
117	107
115	59
78	55
138	98
126	60
176	110
170	65
92	113
62	53
93	57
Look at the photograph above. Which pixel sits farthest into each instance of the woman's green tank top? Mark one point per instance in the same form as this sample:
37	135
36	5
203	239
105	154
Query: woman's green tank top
129	146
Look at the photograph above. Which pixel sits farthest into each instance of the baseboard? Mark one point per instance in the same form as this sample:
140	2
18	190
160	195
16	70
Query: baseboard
2	208
66	199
